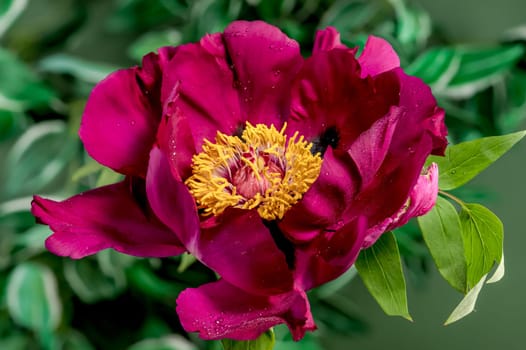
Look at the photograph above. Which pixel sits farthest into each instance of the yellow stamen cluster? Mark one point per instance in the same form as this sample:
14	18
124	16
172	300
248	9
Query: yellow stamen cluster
276	172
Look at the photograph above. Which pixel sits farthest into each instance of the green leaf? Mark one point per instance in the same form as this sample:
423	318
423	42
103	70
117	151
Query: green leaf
9	12
37	158
348	16
381	271
467	305
187	260
74	340
20	88
436	67
464	161
443	236
11	123
32	298
480	67
89	283
151	41
108	177
483	235
309	342
334	316
146	281
265	341
171	342
88	71
499	272
413	25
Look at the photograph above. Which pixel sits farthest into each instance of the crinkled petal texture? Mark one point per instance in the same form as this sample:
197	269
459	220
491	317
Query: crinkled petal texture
122	114
108	217
227	79
219	310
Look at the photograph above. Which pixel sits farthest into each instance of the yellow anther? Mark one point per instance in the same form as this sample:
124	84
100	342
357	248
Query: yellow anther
261	169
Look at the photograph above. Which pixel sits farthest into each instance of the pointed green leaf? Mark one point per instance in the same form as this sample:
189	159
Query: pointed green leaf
480	67
483	236
89	283
151	41
381	271
436	67
187	260
265	341
32	298
443	236
37	158
9	12
499	272
90	72
20	88
467	305
464	161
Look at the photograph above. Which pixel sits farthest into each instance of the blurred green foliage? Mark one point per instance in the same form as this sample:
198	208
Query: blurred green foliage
52	54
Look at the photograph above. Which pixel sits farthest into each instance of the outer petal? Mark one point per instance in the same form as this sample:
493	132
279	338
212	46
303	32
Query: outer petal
377	57
237	245
170	199
371	147
332	105
411	143
107	217
227	79
329	255
122	113
241	248
265	62
219	310
199	86
421	200
327	39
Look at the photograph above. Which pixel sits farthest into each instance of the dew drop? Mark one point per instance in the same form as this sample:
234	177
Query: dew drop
132	123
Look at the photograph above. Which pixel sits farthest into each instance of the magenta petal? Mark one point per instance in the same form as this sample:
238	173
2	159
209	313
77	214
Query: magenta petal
170	199
121	117
421	199
371	147
240	247
199	85
175	139
107	217
265	62
219	310
329	96
329	255
325	201
327	39
377	57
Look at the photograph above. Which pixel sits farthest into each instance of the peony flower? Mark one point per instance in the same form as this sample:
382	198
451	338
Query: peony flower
271	169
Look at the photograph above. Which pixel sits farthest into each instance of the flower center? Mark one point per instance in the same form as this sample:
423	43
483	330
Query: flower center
261	169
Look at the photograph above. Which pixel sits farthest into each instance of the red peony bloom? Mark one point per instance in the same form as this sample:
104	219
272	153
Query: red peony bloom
271	169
